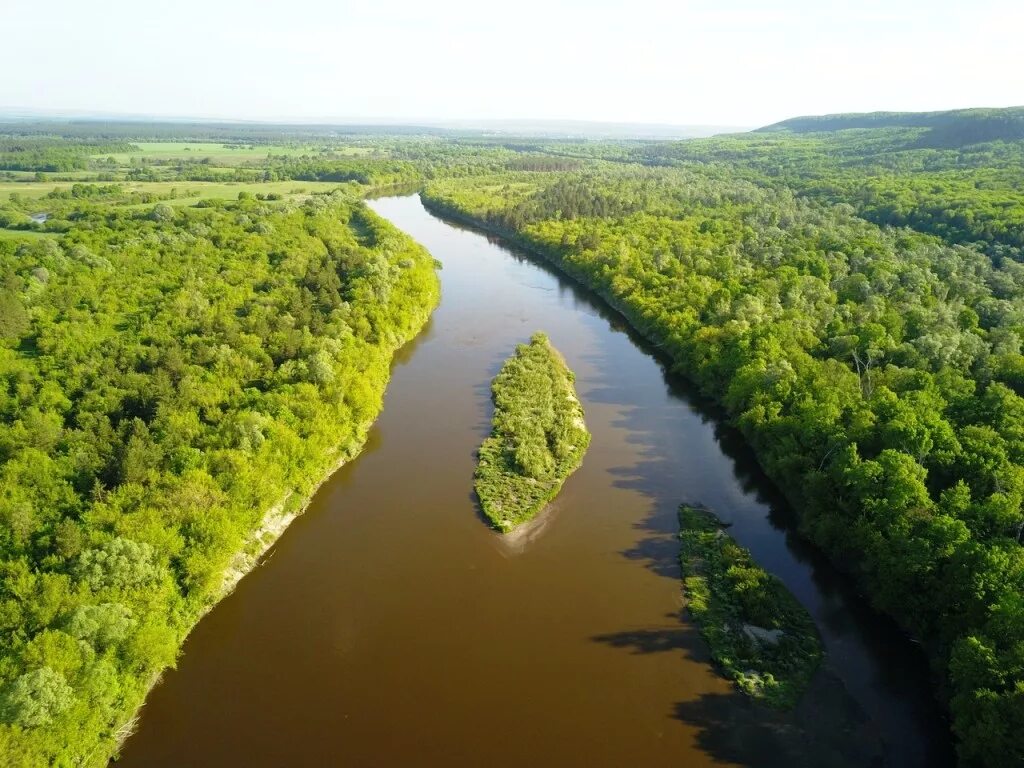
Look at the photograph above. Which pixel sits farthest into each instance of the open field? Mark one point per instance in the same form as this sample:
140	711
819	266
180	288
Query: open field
220	154
185	192
24	234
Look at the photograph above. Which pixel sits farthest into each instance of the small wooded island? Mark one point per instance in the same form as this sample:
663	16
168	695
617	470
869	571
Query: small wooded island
759	634
537	439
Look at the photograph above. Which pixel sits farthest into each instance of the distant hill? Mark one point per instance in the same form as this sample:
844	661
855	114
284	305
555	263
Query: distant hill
953	128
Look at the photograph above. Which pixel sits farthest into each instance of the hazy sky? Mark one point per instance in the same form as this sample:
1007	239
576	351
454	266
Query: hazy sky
686	61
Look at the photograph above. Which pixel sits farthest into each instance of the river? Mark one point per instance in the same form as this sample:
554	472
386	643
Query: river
389	626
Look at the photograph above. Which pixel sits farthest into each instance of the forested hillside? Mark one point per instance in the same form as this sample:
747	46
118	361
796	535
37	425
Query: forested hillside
876	373
170	375
969	191
954	128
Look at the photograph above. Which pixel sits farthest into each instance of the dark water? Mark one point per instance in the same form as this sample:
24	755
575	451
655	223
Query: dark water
391	627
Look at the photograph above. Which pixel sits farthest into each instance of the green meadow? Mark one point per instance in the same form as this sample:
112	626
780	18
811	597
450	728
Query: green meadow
184	192
222	154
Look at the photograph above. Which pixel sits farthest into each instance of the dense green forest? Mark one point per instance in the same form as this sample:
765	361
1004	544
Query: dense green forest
875	371
192	332
965	194
51	154
538	436
170	375
953	128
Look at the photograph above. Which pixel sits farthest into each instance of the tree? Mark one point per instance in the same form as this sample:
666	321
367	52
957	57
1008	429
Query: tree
36	698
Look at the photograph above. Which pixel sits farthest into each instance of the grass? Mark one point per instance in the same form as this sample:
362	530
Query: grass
186	192
25	234
538	436
760	636
191	192
30	189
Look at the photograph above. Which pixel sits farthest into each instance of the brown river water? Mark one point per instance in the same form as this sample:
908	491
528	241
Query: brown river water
389	626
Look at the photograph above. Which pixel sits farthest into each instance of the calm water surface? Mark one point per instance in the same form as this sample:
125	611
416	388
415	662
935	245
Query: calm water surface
390	627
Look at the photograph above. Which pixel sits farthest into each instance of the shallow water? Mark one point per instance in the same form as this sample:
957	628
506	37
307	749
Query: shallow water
390	626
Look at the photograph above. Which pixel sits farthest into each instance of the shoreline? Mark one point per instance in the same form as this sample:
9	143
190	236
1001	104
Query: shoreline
273	524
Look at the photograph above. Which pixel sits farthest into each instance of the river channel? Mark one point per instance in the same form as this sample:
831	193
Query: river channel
389	626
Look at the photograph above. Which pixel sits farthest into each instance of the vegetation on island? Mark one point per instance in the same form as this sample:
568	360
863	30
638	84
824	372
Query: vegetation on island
538	436
759	634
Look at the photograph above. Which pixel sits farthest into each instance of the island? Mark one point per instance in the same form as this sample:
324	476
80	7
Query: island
760	636
538	436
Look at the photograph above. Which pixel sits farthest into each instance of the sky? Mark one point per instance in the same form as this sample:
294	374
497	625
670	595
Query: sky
683	62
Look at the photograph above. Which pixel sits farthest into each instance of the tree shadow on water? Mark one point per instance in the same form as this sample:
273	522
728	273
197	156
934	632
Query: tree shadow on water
886	677
827	729
816	734
658	548
679	637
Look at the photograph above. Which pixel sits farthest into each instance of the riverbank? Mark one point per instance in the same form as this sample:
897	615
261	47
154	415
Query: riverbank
548	255
279	516
272	526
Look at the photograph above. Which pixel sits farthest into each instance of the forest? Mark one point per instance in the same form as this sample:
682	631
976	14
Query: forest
170	375
189	338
